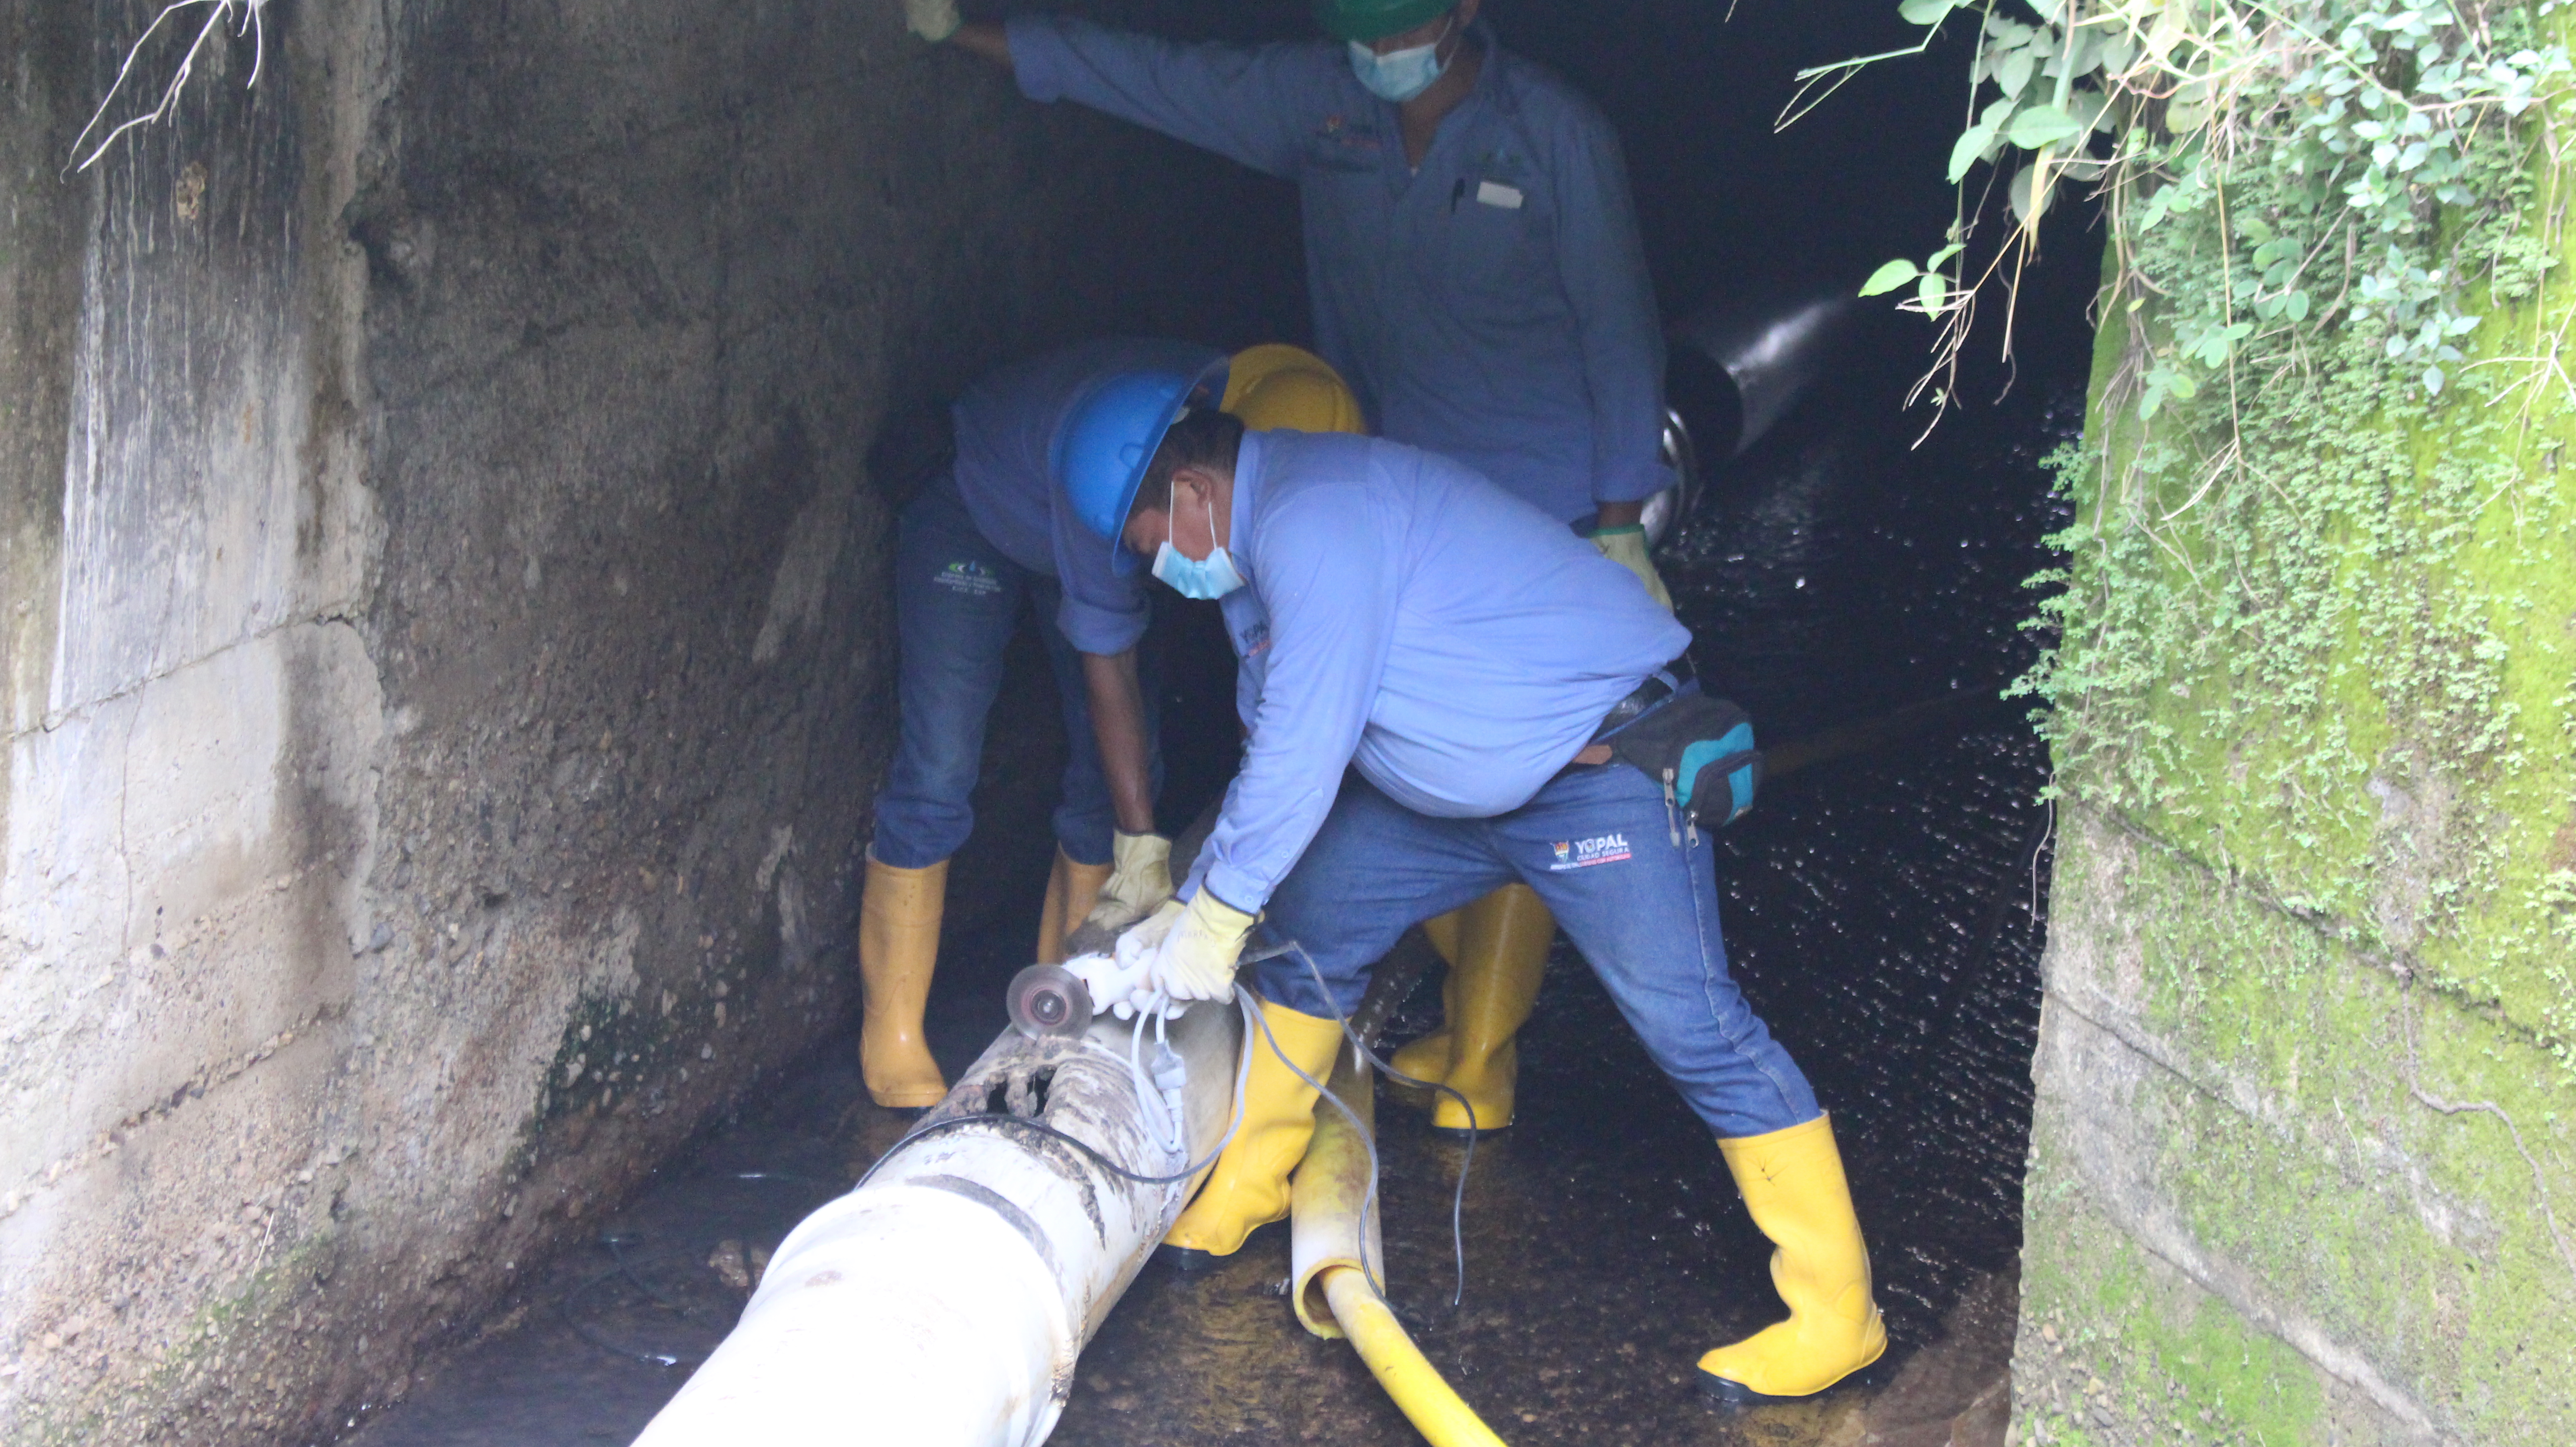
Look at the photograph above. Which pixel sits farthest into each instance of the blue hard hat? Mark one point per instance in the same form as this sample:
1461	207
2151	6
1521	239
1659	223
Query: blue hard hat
1102	449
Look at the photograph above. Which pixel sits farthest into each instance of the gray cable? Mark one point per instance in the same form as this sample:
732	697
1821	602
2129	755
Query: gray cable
1458	1201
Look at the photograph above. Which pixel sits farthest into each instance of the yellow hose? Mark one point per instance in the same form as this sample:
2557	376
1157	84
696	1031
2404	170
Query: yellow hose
1332	1229
1435	1411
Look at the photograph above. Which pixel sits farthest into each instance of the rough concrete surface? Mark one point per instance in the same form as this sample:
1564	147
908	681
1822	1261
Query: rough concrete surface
2278	1194
447	635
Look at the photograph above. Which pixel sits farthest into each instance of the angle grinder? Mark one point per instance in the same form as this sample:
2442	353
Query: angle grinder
1049	1000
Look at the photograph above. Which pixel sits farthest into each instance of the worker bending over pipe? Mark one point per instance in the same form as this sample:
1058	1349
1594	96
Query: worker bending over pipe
1473	258
988	535
1480	670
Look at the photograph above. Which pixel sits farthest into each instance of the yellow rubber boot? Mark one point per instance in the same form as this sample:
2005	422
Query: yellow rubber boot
1501	955
1428	1057
1072	889
1249	1186
898	948
1793	1185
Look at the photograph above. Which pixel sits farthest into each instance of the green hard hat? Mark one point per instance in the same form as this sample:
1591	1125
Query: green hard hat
1367	20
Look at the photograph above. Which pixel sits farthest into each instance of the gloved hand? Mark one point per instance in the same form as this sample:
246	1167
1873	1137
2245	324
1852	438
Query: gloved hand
1626	546
1140	879
1136	950
1117	986
1195	957
932	20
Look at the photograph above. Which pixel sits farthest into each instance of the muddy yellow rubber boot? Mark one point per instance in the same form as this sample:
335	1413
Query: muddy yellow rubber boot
1793	1185
1249	1186
1072	889
1497	957
898	948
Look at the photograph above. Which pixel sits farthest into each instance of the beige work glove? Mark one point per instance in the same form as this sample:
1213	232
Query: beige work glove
1140	878
1193	957
932	20
1626	546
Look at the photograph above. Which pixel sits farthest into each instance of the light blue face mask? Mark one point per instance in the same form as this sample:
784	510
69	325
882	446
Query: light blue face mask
1400	75
1205	579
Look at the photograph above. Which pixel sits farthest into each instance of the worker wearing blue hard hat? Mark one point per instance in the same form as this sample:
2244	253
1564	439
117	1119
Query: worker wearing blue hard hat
1474	268
989	539
1445	691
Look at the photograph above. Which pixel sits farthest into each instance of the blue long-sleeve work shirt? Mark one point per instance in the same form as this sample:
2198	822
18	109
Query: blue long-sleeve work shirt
1006	428
1406	617
1493	306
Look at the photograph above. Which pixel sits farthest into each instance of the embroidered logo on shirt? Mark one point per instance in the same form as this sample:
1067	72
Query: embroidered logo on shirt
1585	853
968	577
1343	142
1255	640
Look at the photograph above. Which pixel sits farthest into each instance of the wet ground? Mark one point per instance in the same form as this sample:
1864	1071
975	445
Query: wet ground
1882	911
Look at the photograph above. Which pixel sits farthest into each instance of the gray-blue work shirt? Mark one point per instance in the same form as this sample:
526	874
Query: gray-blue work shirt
1493	306
1405	617
1006	430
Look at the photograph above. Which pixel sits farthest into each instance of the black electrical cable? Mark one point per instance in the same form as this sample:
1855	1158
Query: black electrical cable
616	1242
1033	1127
1097	1157
600	1339
1252	1013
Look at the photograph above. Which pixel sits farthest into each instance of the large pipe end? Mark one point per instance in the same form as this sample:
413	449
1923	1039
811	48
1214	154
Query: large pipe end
907	1310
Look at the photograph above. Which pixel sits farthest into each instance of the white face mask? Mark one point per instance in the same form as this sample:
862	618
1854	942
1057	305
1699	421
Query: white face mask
1400	75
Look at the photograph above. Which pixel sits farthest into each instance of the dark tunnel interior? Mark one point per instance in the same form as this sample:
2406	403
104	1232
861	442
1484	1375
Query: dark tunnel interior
1884	906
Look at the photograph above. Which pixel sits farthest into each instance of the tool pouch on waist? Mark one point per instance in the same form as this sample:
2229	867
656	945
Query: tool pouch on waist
1701	750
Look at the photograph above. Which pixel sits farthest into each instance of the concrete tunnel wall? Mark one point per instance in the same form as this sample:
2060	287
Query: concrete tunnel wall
447	633
2301	1166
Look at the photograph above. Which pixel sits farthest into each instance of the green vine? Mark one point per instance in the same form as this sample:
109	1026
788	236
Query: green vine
2318	510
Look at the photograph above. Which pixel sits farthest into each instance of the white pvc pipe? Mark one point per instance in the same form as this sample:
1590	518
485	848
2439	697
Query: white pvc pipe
943	1301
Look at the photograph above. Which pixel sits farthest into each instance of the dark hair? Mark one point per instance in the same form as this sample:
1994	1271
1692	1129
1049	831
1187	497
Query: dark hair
1204	437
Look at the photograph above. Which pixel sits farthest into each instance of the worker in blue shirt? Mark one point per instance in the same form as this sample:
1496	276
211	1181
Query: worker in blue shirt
987	538
1474	268
1435	676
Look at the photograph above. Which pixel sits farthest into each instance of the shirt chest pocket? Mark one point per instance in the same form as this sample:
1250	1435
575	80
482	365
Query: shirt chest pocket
1494	241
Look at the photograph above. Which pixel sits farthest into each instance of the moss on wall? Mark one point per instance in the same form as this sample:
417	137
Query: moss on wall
2301	1168
2283	1187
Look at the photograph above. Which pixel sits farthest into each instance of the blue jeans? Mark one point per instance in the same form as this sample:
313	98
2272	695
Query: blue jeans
1597	845
957	600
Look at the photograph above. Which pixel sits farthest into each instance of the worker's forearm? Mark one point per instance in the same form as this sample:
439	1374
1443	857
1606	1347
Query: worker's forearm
1118	726
1621	514
985	39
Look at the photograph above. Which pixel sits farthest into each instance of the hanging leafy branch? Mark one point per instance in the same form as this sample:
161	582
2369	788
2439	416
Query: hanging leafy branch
2368	111
2293	630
